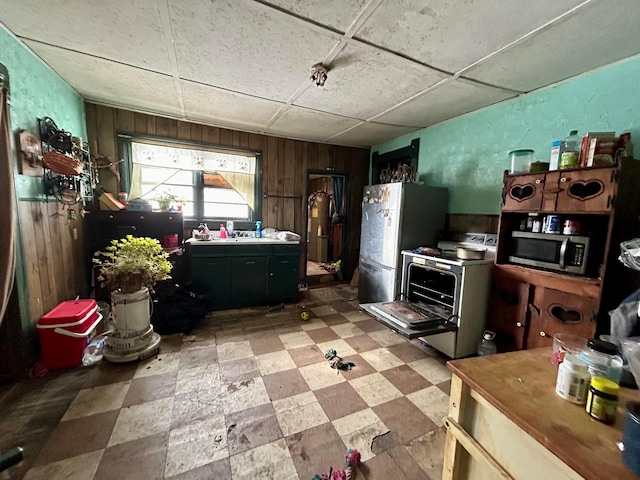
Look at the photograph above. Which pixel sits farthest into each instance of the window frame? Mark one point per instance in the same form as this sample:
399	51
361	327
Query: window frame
124	140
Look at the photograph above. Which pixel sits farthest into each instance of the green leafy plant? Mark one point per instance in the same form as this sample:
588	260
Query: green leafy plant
133	262
167	200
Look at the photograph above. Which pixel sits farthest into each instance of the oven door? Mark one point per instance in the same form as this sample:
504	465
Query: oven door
430	307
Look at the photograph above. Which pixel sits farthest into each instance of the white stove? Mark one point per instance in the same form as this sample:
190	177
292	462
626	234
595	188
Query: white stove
443	299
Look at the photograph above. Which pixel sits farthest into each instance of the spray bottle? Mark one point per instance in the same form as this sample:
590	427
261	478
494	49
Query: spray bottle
258	229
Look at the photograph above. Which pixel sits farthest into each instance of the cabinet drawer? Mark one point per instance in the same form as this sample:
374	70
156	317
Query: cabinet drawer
208	251
283	250
249	250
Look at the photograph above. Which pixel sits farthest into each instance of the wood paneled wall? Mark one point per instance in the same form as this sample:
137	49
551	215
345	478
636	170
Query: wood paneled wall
54	254
285	165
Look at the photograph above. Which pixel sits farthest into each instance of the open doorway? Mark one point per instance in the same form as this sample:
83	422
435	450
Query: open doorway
326	225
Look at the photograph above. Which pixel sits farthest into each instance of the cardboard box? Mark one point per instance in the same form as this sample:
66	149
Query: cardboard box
109	202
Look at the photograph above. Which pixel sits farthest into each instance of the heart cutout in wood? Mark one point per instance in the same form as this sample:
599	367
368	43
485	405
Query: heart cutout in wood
586	190
564	315
521	192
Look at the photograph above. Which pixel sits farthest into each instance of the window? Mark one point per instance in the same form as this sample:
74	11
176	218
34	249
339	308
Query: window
207	183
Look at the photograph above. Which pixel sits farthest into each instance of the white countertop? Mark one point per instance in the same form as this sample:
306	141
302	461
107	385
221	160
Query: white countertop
242	241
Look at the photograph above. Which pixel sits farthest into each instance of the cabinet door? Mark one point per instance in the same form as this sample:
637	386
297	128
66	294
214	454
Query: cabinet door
553	311
585	190
210	276
507	315
282	281
523	192
248	280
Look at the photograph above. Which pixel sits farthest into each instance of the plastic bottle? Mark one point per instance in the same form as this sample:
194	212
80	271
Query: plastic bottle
93	351
573	379
487	345
223	231
570	153
258	229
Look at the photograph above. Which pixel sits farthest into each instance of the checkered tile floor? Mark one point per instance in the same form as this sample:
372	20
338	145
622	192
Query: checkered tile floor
249	395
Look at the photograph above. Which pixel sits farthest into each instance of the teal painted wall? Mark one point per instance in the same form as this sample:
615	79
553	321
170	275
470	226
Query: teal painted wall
37	91
468	154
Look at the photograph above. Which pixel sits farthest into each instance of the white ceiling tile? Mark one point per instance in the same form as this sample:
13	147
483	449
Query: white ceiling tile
336	14
599	34
371	133
245	46
364	81
112	83
221	106
121	30
446	101
302	123
452	35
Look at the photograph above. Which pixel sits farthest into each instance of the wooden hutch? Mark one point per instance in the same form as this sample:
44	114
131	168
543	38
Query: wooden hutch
528	305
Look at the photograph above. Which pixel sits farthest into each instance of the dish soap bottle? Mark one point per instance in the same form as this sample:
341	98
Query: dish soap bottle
258	229
223	231
487	345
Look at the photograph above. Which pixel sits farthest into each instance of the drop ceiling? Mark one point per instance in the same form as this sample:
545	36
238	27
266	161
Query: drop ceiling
394	65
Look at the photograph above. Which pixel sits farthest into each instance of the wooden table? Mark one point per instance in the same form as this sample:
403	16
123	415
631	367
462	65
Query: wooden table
506	422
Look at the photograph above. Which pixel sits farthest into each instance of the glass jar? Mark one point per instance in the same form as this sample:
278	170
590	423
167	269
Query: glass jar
602	359
520	161
602	399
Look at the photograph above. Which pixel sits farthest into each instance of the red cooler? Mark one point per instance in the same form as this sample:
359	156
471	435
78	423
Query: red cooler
65	331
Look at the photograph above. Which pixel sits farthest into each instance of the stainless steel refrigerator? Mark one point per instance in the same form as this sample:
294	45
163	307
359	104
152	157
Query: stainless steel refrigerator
395	217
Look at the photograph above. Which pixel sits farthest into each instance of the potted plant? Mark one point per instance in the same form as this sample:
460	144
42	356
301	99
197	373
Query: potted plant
168	201
132	263
129	268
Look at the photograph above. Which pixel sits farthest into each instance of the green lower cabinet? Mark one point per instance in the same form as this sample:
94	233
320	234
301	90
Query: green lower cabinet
249	280
243	275
282	280
211	277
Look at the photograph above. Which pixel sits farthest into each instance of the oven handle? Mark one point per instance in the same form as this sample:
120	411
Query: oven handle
563	252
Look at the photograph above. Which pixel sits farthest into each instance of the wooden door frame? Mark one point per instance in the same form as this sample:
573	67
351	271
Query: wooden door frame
346	192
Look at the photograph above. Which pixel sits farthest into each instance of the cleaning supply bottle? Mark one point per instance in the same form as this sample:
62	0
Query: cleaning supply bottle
223	231
258	229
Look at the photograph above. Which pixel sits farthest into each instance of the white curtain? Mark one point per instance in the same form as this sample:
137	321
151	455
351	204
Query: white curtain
7	219
239	170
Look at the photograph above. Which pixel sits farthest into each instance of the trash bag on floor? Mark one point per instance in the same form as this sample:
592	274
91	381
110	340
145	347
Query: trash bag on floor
175	309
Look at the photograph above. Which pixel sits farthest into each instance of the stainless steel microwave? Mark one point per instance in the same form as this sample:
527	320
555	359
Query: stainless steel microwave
562	253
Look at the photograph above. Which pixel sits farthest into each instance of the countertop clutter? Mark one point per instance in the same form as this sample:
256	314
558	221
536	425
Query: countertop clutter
241	241
512	425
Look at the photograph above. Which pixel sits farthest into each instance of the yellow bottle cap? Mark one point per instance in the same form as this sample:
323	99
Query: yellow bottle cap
605	385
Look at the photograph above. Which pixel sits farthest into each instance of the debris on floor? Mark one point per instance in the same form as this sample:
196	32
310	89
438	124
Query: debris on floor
349	473
304	316
277	307
337	362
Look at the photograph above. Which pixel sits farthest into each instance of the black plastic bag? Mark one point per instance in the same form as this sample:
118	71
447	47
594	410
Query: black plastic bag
175	309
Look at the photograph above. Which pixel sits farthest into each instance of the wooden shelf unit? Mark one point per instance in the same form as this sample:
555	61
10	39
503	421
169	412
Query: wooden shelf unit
528	305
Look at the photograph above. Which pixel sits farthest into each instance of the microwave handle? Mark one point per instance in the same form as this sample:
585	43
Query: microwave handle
563	252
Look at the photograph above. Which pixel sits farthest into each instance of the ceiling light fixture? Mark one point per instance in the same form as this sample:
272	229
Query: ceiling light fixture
319	74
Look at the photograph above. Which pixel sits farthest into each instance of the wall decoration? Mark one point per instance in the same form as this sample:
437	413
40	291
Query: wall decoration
30	154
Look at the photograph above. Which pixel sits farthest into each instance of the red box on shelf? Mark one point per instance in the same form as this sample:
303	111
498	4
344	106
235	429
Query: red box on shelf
64	332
